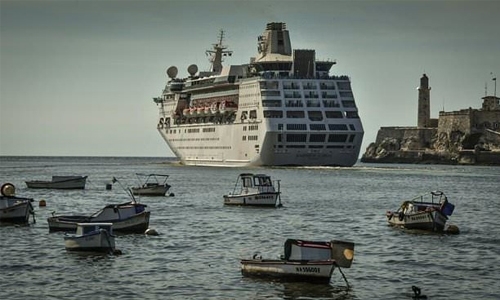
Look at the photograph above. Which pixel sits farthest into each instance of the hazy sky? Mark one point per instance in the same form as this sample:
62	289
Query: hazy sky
77	78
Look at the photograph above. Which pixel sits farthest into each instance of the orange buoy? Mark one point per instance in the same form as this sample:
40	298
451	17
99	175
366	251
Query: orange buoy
42	203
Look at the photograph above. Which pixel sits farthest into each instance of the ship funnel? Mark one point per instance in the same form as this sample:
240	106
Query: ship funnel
192	69
172	72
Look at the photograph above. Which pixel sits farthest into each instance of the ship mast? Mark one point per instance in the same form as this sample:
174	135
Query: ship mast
217	53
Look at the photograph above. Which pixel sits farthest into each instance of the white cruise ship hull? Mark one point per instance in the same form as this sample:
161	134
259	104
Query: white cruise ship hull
219	148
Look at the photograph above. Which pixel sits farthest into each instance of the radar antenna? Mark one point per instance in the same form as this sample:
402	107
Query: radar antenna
217	53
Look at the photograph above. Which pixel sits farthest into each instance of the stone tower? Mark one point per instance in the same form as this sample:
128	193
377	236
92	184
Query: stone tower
424	101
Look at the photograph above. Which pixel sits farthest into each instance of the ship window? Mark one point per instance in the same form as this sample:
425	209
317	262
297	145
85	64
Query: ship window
295	114
280	126
296	127
333	114
346	103
352	114
337	126
273	114
352	127
271	103
296	138
344	86
337	138
317	138
335	147
317	127
253	114
313	103
279	138
315	146
294	103
346	95
327	86
244	138
269	85
315	115
351	138
270	93
296	146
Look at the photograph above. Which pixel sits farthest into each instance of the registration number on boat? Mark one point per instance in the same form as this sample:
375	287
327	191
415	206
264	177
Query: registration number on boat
307	269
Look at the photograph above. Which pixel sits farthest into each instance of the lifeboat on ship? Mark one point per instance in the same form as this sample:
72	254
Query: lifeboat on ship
207	111
192	110
228	106
200	110
214	108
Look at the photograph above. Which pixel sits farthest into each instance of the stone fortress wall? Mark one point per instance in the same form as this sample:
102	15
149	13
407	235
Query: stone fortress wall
467	136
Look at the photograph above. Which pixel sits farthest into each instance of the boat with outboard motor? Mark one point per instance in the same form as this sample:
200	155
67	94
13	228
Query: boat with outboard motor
13	209
424	212
309	261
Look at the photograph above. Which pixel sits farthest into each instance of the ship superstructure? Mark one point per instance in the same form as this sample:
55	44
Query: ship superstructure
281	109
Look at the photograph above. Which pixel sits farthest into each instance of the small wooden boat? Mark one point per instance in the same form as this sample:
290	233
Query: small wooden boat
254	190
428	212
91	237
309	261
60	182
129	217
151	186
15	210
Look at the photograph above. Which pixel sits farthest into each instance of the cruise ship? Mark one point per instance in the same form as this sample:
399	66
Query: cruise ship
283	108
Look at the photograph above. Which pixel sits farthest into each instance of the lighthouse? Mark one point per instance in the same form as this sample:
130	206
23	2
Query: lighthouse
424	103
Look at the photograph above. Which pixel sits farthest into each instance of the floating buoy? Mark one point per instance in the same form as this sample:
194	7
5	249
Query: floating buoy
452	229
42	203
109	186
8	189
151	231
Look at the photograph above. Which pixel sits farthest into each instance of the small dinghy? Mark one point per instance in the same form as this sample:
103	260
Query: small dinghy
151	186
91	237
60	183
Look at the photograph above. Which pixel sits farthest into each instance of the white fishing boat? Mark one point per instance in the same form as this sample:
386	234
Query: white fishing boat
151	186
254	190
309	261
129	217
14	210
281	108
91	237
59	182
425	212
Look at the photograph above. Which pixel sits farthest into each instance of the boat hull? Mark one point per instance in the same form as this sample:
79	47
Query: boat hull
429	220
15	210
309	271
59	182
134	224
159	190
100	241
260	199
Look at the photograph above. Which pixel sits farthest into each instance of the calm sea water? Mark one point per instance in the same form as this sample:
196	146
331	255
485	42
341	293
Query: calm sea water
196	255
